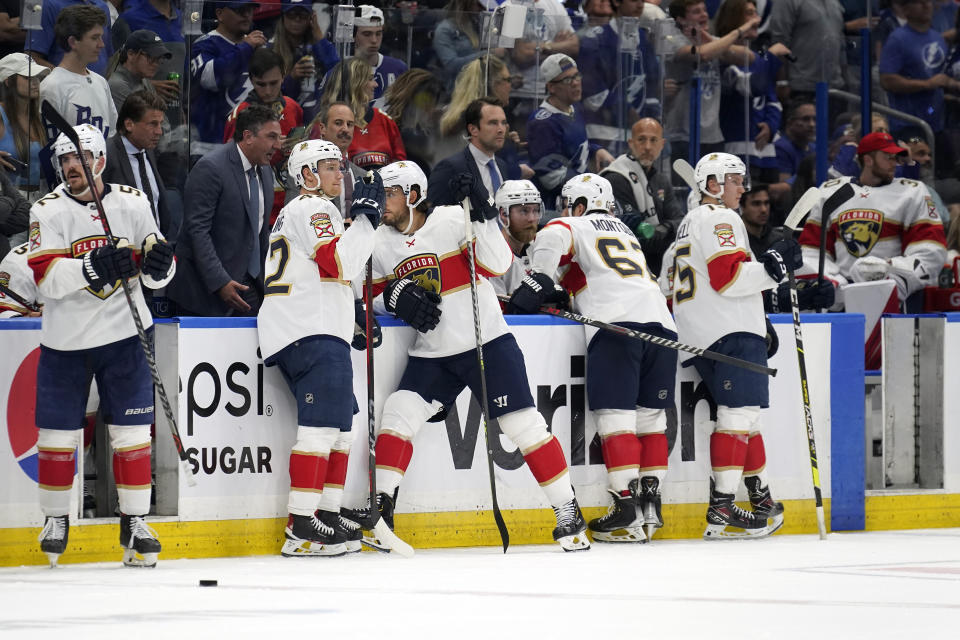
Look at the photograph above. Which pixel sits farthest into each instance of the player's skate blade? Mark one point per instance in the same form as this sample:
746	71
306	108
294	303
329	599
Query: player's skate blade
140	545
309	537
571	530
346	531
308	549
625	534
53	538
726	532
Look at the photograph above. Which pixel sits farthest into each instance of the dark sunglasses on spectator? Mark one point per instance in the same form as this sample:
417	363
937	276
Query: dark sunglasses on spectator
568	80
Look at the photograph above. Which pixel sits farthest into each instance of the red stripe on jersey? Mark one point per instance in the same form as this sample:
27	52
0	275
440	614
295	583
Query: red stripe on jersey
723	269
621	451
41	263
337	468
55	469
654	451
393	452
326	259
378	287
307	472
455	271
810	235
546	462
727	451
924	232
481	270
756	455
131	468
574	279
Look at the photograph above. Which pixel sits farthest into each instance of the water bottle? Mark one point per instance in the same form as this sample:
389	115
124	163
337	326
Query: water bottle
175	103
308	83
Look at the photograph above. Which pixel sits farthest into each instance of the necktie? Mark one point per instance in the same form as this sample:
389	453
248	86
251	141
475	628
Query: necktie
255	264
145	183
494	176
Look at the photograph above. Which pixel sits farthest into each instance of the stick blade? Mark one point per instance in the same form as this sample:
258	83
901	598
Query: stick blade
390	538
685	171
802	208
836	199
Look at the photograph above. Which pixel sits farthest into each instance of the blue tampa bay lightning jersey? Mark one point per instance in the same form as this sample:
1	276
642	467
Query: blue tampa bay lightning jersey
218	70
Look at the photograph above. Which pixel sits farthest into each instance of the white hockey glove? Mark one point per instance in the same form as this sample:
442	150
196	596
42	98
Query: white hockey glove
869	268
910	275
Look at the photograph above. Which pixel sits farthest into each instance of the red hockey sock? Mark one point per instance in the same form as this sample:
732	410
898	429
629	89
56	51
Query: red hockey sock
307	472
337	469
756	458
653	452
55	468
621	451
131	468
393	452
546	462
727	451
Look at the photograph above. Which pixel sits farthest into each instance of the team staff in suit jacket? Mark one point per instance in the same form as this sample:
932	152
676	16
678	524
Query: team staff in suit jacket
139	127
226	226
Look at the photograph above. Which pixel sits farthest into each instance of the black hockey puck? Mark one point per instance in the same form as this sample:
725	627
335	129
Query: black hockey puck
208	583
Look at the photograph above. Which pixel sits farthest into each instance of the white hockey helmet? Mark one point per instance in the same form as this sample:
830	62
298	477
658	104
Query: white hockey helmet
369	16
595	190
718	166
406	175
91	139
308	154
513	192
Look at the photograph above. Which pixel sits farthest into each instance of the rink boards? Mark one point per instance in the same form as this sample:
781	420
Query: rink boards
237	422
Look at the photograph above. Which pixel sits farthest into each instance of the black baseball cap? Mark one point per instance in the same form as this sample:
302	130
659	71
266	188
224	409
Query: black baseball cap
148	42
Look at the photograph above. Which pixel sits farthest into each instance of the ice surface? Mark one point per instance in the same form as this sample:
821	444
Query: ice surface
900	585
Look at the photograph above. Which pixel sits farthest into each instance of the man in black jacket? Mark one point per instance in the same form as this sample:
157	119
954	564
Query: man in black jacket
14	213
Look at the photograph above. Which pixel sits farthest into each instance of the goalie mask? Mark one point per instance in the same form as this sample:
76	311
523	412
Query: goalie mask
718	166
309	154
591	190
91	139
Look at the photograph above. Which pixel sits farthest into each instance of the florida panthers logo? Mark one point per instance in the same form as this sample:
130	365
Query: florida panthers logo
860	230
85	245
424	269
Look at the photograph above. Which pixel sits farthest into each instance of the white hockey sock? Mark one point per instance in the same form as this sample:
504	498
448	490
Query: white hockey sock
727	481
331	499
388	480
560	491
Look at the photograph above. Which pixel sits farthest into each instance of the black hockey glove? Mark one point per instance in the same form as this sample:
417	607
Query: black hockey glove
810	295
359	341
105	265
156	257
463	185
782	256
535	291
773	342
368	199
413	304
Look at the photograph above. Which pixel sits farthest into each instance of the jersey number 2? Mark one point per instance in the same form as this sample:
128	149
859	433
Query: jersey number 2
270	285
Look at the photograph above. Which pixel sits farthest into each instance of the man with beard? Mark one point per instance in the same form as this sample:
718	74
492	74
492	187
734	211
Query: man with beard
521	208
646	198
335	123
889	229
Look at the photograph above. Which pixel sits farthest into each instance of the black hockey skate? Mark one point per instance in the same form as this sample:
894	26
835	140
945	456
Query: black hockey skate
622	523
362	517
53	537
307	536
139	542
647	491
763	504
571	528
726	520
347	531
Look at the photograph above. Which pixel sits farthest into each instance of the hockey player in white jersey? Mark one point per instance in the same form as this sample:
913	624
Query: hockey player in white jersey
520	207
306	326
88	331
421	275
629	383
889	229
718	304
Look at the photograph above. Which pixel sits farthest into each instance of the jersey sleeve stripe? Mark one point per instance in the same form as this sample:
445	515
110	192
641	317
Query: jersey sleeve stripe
574	279
482	269
810	236
328	262
41	261
925	232
724	268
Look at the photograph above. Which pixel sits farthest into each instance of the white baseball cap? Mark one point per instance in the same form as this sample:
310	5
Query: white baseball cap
369	17
19	64
555	65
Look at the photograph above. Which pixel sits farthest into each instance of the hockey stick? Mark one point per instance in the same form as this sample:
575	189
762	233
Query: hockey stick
379	527
657	340
16	297
803	206
685	171
836	198
497	516
54	117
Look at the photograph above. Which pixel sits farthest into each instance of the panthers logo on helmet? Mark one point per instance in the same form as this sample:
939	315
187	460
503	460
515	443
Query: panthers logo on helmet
424	269
860	230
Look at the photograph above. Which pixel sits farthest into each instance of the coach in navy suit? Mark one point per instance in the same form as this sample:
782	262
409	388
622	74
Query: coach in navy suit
226	226
487	129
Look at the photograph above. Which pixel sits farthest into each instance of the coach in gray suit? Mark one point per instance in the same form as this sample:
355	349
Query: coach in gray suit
226	225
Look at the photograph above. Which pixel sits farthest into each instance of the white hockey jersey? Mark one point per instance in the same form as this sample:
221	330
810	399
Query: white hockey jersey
435	257
898	219
15	274
80	99
510	280
716	287
602	265
62	231
310	263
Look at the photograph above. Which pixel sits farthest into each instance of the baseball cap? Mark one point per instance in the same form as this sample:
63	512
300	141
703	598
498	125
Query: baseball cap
878	141
290	5
369	17
19	64
555	65
148	42
235	5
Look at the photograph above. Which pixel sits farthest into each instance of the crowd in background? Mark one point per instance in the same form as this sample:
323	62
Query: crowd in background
582	84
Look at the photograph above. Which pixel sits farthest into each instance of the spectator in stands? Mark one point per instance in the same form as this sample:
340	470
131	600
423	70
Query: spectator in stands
556	132
645	195
378	142
755	212
598	13
47	47
14	214
77	93
953	243
335	123
411	101
131	158
486	127
456	40
367	38
919	166
845	147
218	70
618	87
139	60
223	241
306	53
697	49
794	145
813	31
750	92
12	37
555	35
23	133
266	75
